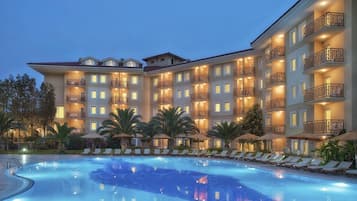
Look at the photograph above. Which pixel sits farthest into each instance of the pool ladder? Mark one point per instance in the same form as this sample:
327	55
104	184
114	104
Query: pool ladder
12	163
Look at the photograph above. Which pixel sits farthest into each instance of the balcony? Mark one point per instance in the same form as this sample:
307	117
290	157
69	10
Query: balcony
76	115
329	20
245	92
165	100
200	114
76	99
276	129
329	57
327	126
76	82
118	84
325	92
246	71
276	79
240	111
119	100
200	78
276	53
275	104
200	96
165	84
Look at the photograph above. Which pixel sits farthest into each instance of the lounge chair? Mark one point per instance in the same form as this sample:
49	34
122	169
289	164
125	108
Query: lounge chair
263	157
292	162
202	153
303	163
117	151
276	159
232	154
352	172
127	151
184	152
222	154
108	151
246	156
239	156
252	157
86	151
270	158
97	151
137	151
193	153
285	160
212	153
165	151
157	152
330	164
146	151
343	166
174	152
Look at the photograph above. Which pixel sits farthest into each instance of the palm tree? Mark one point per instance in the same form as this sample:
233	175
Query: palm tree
61	133
173	121
123	121
149	129
226	131
5	125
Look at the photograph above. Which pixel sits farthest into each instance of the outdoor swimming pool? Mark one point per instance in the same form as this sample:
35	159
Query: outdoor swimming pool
175	179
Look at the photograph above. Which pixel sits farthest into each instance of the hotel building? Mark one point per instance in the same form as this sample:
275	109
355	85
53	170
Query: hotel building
300	70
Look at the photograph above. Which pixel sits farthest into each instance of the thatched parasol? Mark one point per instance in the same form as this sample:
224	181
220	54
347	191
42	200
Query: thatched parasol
270	136
349	136
247	136
122	135
198	136
161	136
92	136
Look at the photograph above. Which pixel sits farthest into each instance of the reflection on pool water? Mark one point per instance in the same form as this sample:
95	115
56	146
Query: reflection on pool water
174	179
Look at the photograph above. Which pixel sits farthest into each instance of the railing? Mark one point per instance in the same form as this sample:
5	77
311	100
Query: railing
276	78
165	100
119	100
200	114
200	78
11	163
331	90
245	92
240	111
76	115
278	103
327	126
76	99
246	71
276	129
119	84
76	82
326	56
200	96
165	83
276	53
329	19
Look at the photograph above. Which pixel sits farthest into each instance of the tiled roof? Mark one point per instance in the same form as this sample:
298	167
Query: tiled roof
163	54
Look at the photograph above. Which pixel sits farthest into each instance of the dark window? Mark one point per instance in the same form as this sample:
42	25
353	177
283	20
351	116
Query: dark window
162	59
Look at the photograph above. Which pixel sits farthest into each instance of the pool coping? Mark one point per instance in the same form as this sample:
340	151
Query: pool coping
21	190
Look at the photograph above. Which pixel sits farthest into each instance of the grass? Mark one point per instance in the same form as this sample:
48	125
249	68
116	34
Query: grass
47	151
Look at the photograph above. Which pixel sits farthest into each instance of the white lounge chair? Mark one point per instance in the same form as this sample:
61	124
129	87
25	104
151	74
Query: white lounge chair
330	164
212	153
222	154
303	163
117	151
232	154
127	151
293	161
239	156
202	152
157	152
277	159
174	152
165	151
108	151
252	157
183	152
137	151
343	166
97	151
193	153
146	151
270	158
86	151
352	172
263	157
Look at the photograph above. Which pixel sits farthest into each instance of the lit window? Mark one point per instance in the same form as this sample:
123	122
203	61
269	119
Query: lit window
94	79
187	76
293	119
135	110
304	116
102	95
93	126
156	96
217	71
227	69
303	57
131	64
293	92
218	89
303	87
179	94
227	88
59	112
293	65
155	82
187	109
261	103
217	107
261	84
134	79
103	79
227	107
293	37
93	110
187	93
179	77
94	94
102	110
134	95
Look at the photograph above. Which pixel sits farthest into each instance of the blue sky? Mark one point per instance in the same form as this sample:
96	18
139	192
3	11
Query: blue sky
64	30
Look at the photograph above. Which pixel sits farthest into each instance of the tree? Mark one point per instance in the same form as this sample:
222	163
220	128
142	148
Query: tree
5	125
6	93
253	121
61	133
172	122
226	131
46	105
123	121
149	129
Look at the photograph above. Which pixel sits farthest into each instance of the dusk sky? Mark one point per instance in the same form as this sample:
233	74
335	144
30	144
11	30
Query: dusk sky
65	30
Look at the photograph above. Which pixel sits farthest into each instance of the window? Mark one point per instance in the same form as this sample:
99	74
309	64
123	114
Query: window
93	94
93	110
134	95
102	95
304	116
218	89
187	93
156	96
293	119
155	82
303	57
179	77
102	110
135	110
131	64
261	84
93	126
261	103
227	88
179	94
187	76
134	79
227	69
187	109
217	107
293	37
227	107
293	91
94	79
103	79
59	112
293	65
303	87
217	71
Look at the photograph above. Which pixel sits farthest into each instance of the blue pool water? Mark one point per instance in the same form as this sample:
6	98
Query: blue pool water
175	179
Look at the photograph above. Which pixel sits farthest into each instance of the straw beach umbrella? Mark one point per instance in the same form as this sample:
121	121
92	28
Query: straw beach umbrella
246	138
91	137
198	137
161	139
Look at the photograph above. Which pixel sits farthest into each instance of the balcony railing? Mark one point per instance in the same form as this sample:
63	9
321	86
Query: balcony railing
328	56
119	84
200	96
165	100
76	82
200	114
327	126
200	78
276	52
245	92
329	19
276	129
165	84
276	79
324	91
76	99
240	111
246	71
76	115
119	100
275	104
